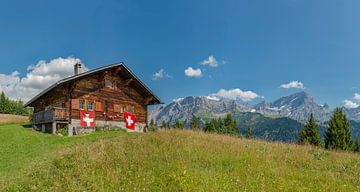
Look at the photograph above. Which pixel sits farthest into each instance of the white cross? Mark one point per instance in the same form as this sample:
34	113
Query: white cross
88	120
129	121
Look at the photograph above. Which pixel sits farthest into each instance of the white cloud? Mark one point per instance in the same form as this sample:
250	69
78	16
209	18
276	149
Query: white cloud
350	104
236	94
160	74
357	96
190	72
38	77
211	61
212	98
178	99
293	84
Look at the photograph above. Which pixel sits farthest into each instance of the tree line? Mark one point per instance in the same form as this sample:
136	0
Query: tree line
226	125
8	106
337	135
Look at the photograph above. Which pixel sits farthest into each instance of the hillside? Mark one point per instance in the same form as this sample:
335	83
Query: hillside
8	118
280	120
171	160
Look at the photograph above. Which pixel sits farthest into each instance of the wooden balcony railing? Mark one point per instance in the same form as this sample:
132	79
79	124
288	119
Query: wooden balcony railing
50	115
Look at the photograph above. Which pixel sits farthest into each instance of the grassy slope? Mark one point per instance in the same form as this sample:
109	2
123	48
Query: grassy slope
190	161
22	148
8	118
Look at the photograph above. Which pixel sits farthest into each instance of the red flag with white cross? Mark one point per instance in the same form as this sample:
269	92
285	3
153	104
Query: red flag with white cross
87	118
129	120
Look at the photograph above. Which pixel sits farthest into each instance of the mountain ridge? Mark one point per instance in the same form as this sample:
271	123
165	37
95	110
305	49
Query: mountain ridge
297	106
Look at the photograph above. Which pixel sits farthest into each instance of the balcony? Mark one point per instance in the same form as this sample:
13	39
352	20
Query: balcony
55	114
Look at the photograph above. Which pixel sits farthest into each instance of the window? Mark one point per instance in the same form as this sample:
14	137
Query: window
81	104
90	106
123	109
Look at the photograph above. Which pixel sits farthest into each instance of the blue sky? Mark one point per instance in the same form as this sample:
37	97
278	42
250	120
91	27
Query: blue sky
258	45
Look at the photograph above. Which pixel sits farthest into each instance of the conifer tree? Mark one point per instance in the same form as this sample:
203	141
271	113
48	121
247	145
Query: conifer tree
210	126
227	124
356	146
195	123
310	133
249	132
152	125
219	125
178	124
338	134
163	124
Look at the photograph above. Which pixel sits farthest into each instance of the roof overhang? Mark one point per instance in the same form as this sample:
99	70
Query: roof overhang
146	89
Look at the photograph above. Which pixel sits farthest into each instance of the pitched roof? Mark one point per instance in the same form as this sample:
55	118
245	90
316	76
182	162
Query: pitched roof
156	100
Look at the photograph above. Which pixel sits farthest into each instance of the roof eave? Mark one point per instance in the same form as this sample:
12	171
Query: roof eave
71	78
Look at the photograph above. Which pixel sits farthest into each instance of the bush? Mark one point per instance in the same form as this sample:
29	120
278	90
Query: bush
63	130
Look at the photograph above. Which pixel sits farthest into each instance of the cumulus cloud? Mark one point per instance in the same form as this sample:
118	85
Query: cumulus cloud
38	77
235	94
357	96
160	74
190	72
210	61
350	104
293	84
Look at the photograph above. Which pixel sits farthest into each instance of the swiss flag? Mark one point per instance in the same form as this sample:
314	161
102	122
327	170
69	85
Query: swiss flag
129	120
87	118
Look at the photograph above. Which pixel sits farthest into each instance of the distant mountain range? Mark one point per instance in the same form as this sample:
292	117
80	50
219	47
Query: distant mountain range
279	120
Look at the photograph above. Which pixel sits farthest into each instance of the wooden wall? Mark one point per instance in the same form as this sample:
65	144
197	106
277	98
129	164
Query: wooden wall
108	100
59	97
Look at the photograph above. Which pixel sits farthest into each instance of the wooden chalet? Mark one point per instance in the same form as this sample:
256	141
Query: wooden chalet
108	92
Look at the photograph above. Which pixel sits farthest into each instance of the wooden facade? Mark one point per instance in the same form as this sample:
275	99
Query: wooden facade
109	91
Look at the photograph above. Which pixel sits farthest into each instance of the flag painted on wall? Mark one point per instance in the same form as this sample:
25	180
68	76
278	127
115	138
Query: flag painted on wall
129	120
87	118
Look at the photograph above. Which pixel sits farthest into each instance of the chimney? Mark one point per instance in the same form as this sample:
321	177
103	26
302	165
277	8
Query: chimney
78	68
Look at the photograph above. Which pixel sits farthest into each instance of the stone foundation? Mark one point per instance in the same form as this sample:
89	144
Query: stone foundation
75	127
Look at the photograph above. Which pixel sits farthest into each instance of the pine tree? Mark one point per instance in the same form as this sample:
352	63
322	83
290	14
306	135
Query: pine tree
234	128
3	103
356	146
163	124
338	134
249	132
195	123
213	125
210	126
152	125
219	125
228	123
310	133
178	125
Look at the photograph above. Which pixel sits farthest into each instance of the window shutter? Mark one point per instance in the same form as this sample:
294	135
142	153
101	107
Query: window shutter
117	108
98	106
75	103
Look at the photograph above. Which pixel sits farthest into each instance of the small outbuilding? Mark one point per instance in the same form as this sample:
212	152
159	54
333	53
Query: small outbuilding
104	98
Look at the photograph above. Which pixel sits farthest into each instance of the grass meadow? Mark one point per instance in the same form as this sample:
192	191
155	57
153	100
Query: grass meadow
169	160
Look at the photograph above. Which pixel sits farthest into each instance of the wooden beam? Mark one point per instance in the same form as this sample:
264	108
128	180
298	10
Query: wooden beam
148	99
117	70
128	81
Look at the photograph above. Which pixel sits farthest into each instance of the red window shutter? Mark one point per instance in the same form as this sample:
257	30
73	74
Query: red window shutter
98	106
117	108
75	103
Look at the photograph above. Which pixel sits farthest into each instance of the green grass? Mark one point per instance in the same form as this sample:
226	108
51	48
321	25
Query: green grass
170	161
22	148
